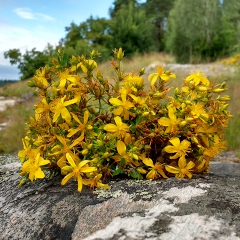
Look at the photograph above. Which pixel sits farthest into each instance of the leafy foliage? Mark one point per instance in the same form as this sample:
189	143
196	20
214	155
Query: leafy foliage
91	128
29	62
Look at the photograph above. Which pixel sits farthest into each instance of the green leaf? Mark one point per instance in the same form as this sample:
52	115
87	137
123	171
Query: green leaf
64	59
118	171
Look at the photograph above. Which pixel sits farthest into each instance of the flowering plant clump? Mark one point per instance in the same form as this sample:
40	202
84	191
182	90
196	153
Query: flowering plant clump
91	128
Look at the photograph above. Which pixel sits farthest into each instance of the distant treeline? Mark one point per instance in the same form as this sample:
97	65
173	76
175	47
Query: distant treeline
4	82
193	31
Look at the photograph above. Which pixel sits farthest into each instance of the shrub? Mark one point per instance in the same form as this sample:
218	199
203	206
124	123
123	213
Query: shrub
92	128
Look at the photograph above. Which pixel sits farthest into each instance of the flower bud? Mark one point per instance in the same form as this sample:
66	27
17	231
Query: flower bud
194	139
141	170
202	88
90	146
183	123
106	154
84	152
189	119
176	91
224	98
135	156
99	143
145	114
120	54
141	71
218	90
89	127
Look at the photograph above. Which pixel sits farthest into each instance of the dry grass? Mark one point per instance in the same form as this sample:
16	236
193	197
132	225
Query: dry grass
17	89
10	137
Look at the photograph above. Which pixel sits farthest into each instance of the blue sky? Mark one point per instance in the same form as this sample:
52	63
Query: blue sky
25	24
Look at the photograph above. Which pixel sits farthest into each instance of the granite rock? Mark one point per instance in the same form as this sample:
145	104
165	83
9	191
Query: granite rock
205	207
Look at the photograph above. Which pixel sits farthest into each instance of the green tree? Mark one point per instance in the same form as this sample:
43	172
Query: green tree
131	30
231	18
117	5
157	12
196	31
30	61
91	34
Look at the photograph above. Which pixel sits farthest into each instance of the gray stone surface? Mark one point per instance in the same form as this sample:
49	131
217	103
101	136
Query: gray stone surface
205	207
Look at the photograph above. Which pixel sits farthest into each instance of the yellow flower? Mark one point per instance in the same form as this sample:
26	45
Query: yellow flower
179	148
64	148
58	107
134	82
76	171
119	130
78	89
156	169
171	122
95	182
198	111
42	109
33	167
27	151
81	127
40	79
182	169
165	76
123	106
141	102
197	78
65	76
123	154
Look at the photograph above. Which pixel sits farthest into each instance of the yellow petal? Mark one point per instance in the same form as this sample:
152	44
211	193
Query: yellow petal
154	79
56	116
88	169
110	128
162	173
172	169
85	118
66	178
70	102
115	101
121	148
66	115
164	121
118	120
151	76
190	165
151	174
170	149
79	179
118	111
148	162
189	175
43	162
39	173
185	144
127	138
71	160
82	163
165	77
175	142
182	162
84	69
171	114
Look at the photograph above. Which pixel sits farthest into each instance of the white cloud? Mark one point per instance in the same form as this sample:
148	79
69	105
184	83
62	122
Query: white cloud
24	39
24	13
27	13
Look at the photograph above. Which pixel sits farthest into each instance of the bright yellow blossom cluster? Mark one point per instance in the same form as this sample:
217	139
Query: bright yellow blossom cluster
90	128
